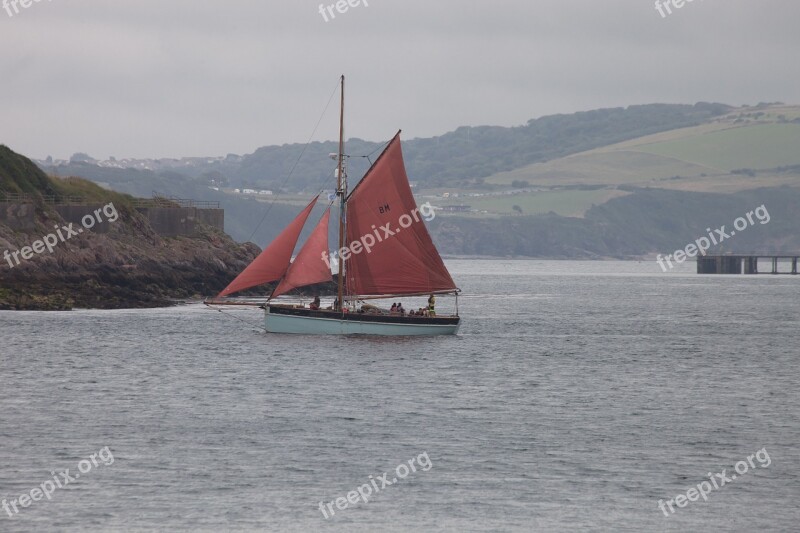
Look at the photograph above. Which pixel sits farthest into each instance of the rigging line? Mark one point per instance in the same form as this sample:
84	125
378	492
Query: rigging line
259	326
296	162
331	177
380	147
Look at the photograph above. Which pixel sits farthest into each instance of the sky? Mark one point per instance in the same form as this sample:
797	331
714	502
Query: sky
181	78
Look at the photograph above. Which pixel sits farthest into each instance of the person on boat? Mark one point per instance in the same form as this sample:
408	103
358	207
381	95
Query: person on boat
400	309
314	306
393	310
431	305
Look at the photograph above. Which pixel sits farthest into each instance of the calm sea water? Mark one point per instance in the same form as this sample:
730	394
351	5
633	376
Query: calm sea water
576	396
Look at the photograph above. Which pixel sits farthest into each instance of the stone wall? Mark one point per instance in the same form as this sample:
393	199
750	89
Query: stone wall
18	216
174	221
166	221
75	213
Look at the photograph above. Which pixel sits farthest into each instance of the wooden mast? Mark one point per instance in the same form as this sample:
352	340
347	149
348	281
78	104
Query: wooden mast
341	188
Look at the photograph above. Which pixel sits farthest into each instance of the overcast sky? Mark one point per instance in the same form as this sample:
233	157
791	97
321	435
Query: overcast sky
155	78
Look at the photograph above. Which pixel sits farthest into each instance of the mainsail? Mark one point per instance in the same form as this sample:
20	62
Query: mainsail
272	263
403	259
309	267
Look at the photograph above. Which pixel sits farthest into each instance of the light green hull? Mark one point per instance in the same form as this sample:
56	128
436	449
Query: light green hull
276	323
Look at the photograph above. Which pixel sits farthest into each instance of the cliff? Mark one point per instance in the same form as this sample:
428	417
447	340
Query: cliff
68	243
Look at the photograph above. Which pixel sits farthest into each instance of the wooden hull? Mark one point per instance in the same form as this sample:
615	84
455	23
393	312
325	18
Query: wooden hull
288	319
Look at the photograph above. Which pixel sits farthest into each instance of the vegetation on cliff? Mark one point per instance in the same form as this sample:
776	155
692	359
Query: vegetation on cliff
127	264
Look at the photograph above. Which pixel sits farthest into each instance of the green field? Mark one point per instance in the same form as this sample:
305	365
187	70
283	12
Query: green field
756	147
698	158
566	203
613	167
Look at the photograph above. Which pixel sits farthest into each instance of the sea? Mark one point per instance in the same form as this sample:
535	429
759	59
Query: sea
577	396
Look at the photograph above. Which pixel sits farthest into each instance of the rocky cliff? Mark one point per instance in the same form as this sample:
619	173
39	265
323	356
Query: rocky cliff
100	252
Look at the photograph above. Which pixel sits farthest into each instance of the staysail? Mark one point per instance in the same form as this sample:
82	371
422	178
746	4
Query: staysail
311	264
382	213
271	264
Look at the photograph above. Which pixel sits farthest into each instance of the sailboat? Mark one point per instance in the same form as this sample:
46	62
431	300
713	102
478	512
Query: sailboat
385	251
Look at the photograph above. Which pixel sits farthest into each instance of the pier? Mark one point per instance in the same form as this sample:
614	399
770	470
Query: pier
746	263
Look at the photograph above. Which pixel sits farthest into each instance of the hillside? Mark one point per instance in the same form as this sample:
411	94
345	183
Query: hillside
746	148
555	177
644	223
113	259
458	158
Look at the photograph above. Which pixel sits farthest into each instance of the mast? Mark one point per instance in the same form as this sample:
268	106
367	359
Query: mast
341	187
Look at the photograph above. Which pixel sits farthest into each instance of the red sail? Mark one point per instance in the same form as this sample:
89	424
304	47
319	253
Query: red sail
271	264
383	216
311	265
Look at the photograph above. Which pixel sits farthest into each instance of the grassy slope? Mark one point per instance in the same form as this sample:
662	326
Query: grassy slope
697	159
561	202
760	146
20	175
